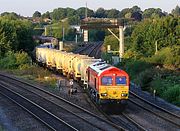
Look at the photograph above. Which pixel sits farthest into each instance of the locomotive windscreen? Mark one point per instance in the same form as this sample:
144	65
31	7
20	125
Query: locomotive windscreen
106	80
120	80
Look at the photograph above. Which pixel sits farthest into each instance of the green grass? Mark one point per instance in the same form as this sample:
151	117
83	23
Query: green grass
36	74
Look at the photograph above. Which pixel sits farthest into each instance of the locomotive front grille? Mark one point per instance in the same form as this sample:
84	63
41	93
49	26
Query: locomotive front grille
113	92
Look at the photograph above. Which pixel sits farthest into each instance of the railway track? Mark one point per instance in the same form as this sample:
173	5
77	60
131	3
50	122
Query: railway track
83	50
91	49
121	119
57	106
127	122
94	52
50	120
155	109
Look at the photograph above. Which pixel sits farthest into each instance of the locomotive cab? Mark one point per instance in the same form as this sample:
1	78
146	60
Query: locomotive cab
108	83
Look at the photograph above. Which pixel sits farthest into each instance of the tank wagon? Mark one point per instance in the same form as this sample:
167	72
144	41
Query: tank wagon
104	82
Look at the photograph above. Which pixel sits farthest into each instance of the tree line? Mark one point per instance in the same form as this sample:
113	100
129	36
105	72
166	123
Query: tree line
75	15
156	26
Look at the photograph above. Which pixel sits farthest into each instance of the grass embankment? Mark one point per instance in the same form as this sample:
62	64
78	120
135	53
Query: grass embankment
20	64
166	82
37	74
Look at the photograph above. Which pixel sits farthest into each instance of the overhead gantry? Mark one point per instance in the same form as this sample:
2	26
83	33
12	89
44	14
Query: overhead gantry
106	23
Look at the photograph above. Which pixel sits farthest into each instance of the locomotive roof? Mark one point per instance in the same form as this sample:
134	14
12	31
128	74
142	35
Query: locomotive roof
99	67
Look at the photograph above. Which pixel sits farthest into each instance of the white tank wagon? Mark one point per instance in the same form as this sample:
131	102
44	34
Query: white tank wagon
59	61
68	63
84	66
41	55
50	62
66	59
52	58
76	65
69	60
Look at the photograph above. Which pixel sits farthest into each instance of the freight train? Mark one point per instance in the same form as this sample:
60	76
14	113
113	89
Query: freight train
104	82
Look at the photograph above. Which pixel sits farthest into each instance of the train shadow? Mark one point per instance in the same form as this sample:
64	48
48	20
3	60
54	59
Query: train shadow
113	108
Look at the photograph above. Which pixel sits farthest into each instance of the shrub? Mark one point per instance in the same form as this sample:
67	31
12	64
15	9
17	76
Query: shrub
167	56
172	94
158	85
22	60
144	78
12	60
9	61
136	67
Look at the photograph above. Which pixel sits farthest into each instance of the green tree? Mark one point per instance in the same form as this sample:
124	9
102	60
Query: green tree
96	35
152	12
15	35
37	14
136	9
59	14
74	20
100	13
81	12
46	15
70	12
124	12
113	13
111	40
164	32
176	11
12	15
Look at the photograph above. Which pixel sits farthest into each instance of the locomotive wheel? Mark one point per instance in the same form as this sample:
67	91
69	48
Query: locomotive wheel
97	99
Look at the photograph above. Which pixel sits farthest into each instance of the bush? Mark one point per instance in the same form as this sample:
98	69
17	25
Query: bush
9	61
158	85
22	60
145	78
12	60
136	67
167	56
172	94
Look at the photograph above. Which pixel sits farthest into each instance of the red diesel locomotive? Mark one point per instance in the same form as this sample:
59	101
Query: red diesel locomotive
107	83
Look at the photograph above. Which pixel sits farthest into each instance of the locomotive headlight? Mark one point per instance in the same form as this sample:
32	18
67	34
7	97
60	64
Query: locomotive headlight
124	95
103	94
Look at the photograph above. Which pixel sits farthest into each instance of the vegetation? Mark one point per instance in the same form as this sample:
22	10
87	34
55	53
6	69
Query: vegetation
149	68
15	35
152	49
19	60
134	12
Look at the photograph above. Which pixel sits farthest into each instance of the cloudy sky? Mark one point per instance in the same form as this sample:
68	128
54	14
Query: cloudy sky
28	7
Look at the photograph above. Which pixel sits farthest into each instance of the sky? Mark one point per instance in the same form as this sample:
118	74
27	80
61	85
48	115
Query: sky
28	7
